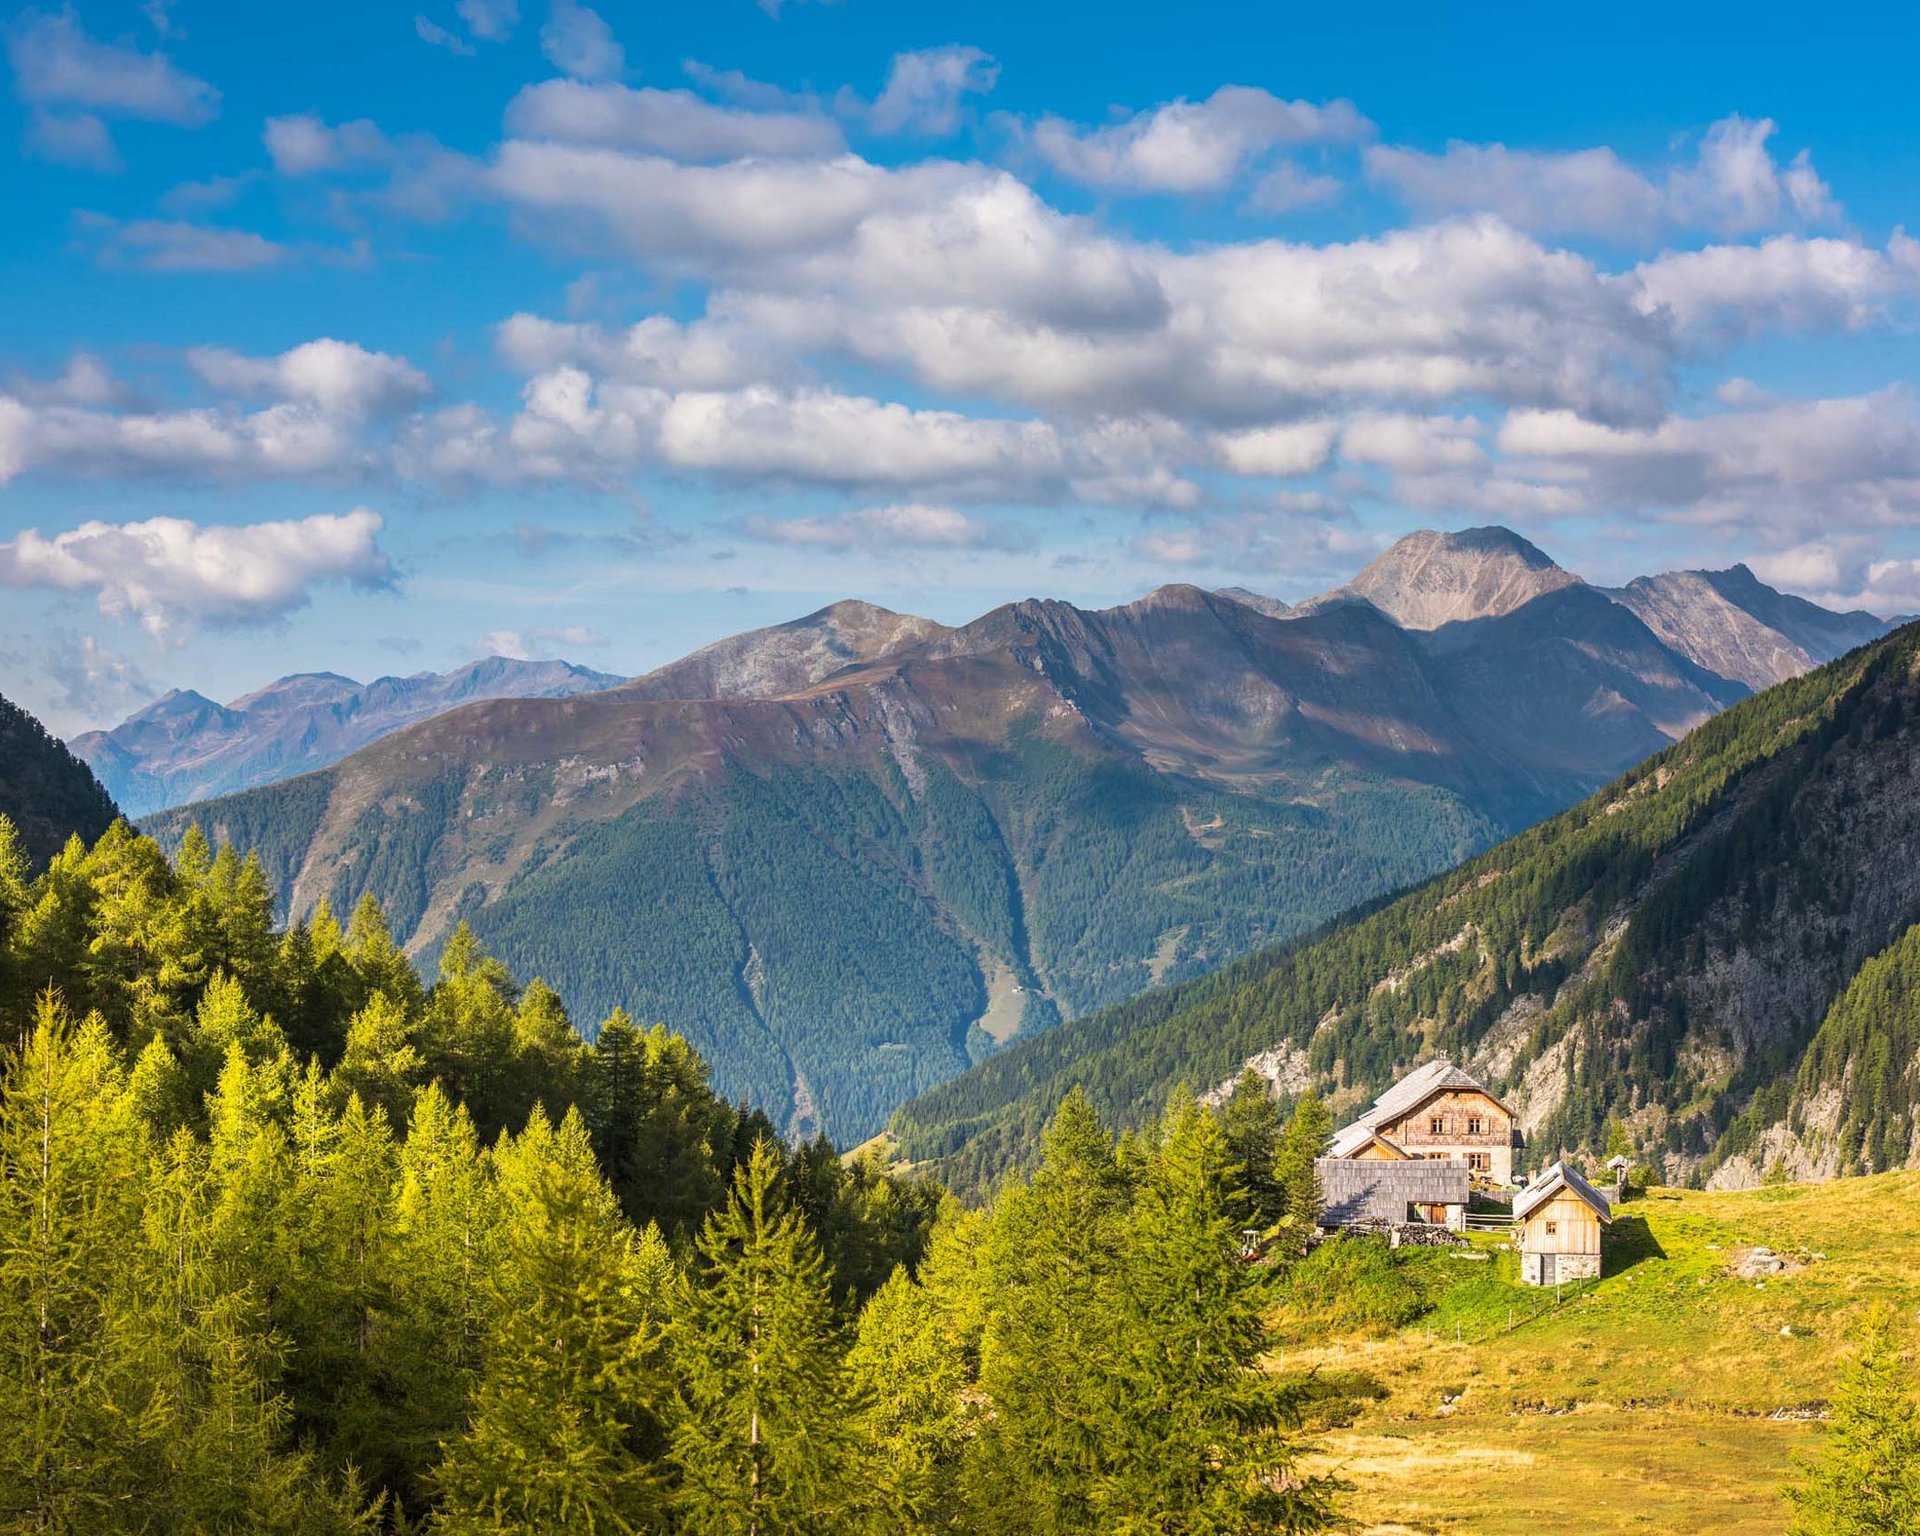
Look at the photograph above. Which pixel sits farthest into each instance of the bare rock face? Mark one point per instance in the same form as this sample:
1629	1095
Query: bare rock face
1732	623
1431	578
1259	602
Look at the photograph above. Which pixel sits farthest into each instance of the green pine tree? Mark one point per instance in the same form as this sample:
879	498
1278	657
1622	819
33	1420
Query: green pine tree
564	1427
763	1439
1867	1483
1305	1141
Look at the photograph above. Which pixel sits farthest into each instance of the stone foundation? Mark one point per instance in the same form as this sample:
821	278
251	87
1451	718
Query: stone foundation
1558	1268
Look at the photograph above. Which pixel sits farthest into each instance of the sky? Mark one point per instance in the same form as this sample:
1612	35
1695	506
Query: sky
370	339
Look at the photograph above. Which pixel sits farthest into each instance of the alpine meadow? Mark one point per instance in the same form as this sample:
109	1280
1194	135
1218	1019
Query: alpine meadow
876	768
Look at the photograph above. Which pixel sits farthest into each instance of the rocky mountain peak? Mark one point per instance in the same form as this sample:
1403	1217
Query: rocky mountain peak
1432	578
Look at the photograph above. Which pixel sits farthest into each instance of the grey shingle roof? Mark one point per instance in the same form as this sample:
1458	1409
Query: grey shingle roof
1382	1191
1551	1181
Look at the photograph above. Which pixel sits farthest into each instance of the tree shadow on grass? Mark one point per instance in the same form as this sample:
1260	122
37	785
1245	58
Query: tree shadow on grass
1629	1241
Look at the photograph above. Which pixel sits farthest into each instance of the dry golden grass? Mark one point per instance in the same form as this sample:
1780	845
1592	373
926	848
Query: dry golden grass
1646	1405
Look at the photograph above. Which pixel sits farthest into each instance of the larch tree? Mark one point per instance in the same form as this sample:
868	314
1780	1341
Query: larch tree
763	1436
1868	1481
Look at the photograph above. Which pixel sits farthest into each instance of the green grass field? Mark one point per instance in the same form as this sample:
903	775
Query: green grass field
1662	1399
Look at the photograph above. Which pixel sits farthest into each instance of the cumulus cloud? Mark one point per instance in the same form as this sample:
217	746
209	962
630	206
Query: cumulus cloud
337	377
1284	450
305	145
169	573
1192	146
1786	467
879	530
55	64
1307	537
579	42
1733	186
1789	282
703	354
926	90
673	123
1413	444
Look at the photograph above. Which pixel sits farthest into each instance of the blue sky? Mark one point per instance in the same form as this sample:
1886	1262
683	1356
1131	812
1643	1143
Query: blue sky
370	339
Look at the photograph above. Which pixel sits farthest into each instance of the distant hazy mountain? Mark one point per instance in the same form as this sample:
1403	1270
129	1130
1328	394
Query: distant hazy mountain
185	747
47	792
1732	623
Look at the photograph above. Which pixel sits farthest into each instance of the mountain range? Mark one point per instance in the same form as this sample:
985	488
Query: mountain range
184	746
1720	950
852	855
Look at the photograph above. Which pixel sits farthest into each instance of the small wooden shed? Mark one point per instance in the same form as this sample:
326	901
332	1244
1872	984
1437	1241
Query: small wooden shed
1558	1220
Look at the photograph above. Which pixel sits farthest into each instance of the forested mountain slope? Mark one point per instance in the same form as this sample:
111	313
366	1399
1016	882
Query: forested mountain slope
846	894
46	791
1666	952
185	747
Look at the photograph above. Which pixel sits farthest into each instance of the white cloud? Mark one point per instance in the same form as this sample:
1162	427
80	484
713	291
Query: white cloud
881	530
337	377
490	20
926	89
1306	537
1283	451
1413	444
676	124
538	644
579	42
703	354
178	245
305	145
1734	186
1192	146
431	32
168	573
1789	282
78	139
1287	188
56	64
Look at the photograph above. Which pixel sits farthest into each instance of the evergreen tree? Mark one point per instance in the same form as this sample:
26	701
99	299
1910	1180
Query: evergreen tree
1195	1436
909	1372
1868	1481
564	1426
1252	1122
763	1438
1305	1142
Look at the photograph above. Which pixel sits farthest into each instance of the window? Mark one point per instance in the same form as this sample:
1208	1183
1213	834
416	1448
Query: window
1480	1162
1552	1227
1436	1125
1475	1125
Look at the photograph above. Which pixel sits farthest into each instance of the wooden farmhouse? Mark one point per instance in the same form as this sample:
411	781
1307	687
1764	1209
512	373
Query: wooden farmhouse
1435	1112
1557	1223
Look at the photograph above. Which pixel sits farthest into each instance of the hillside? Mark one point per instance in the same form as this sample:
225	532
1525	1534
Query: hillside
46	791
185	747
1672	1396
1664	952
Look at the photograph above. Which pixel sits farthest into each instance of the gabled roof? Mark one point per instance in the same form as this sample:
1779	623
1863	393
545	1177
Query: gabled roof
1402	1099
1550	1183
1356	1138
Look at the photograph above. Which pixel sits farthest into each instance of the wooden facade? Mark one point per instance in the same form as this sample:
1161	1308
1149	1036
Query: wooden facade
1559	1223
1468	1124
1436	1112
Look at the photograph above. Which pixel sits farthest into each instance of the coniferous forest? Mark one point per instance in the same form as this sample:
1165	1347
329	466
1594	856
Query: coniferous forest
295	1243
